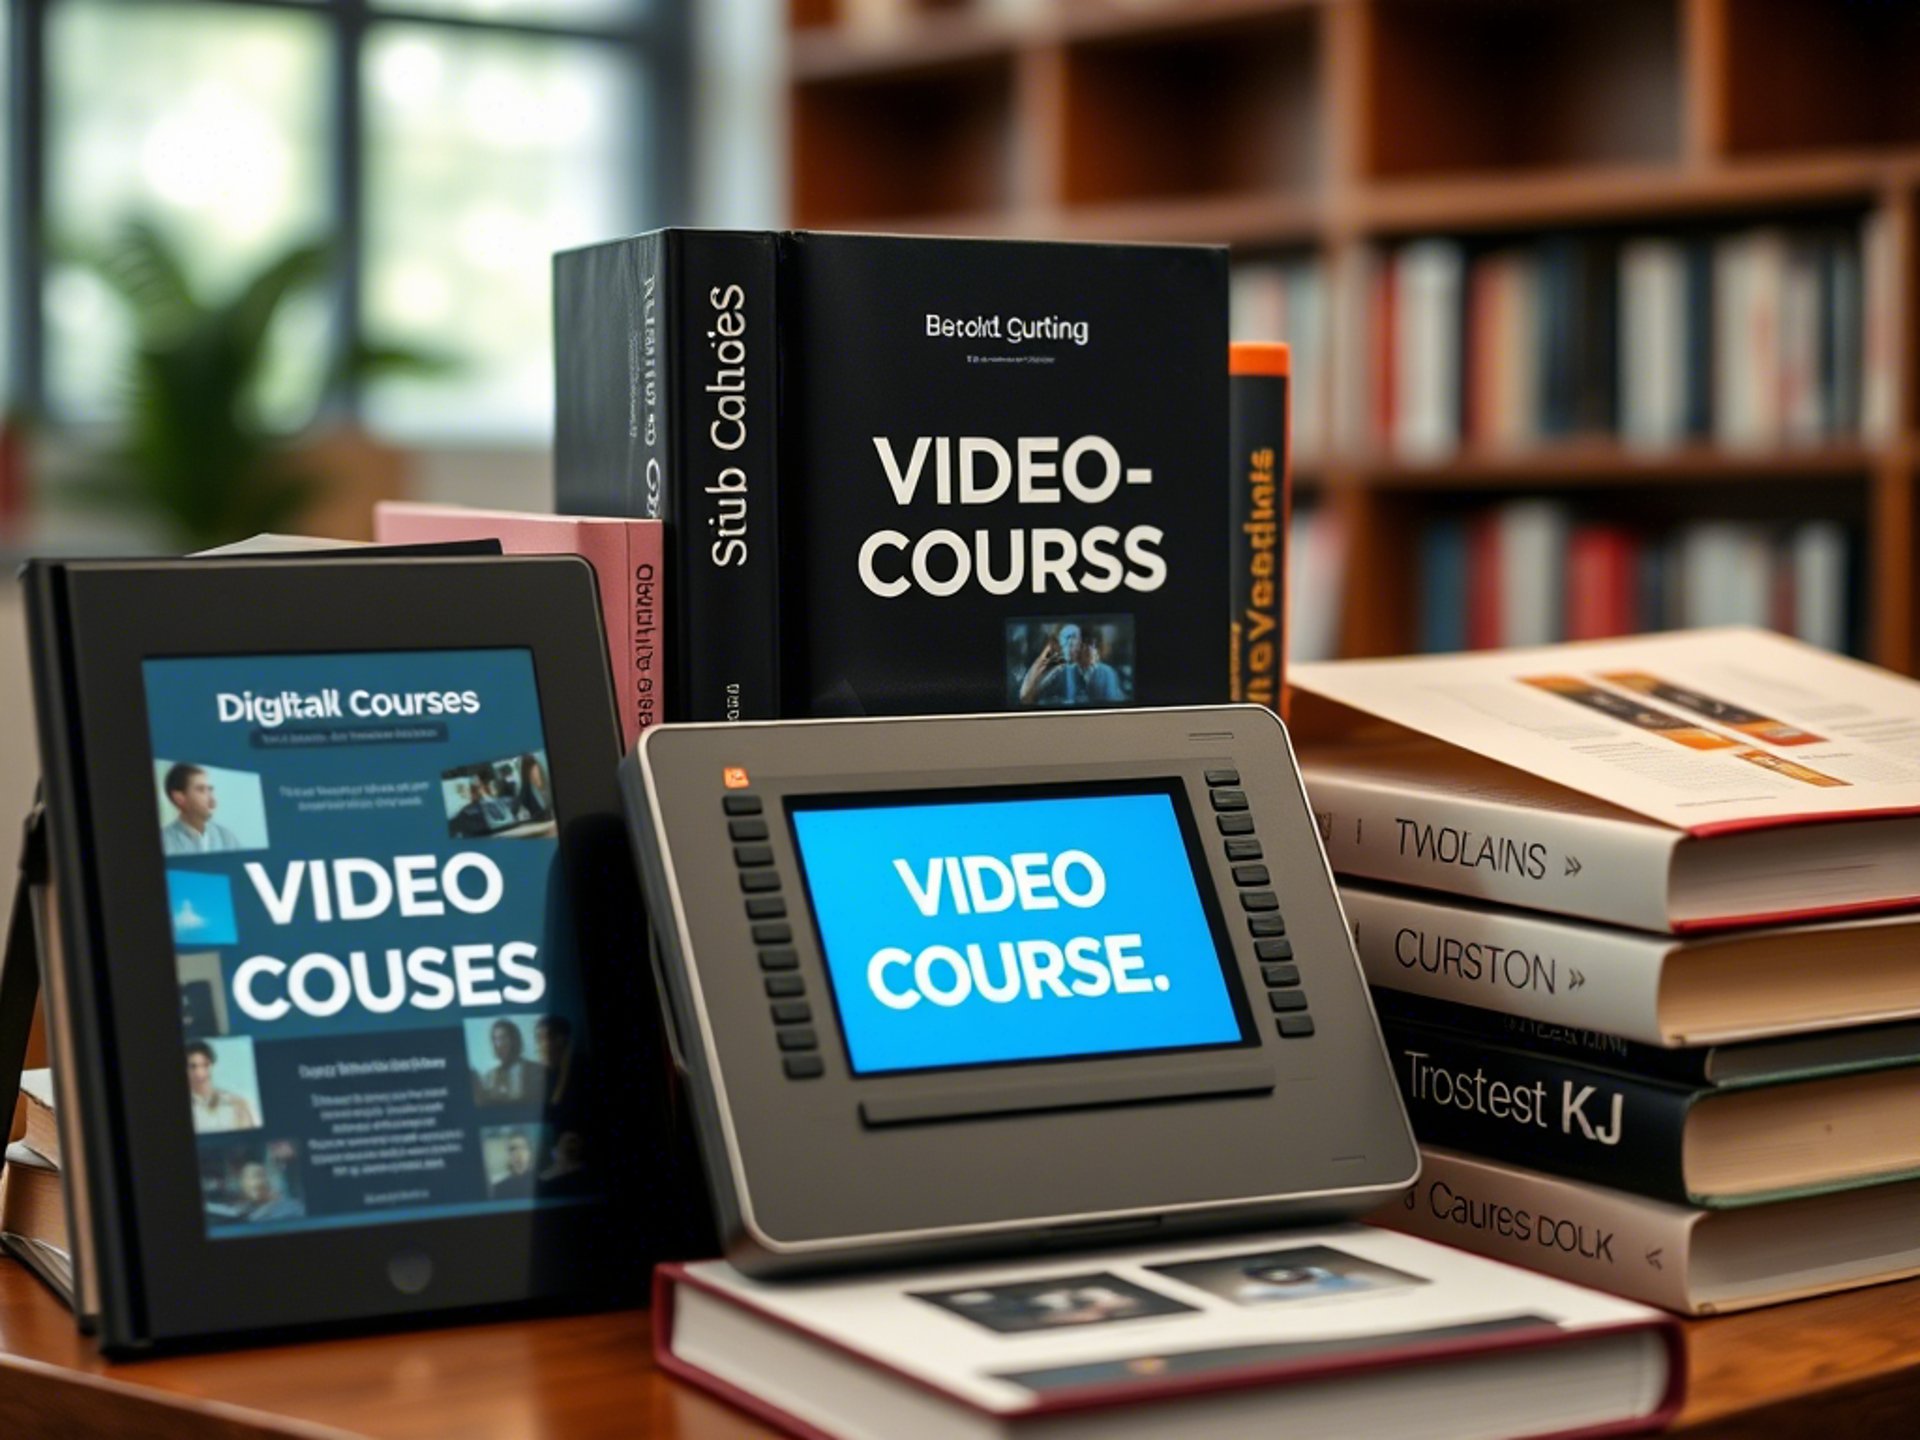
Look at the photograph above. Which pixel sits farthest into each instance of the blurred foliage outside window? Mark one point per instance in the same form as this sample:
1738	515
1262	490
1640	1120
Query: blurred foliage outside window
492	132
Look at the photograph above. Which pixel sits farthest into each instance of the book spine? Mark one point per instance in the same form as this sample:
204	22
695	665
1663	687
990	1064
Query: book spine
1509	854
1576	976
647	656
1623	1244
1258	434
1689	1065
608	443
722	487
1566	1119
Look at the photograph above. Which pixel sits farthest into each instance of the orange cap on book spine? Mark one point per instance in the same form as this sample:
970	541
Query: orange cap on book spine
1259	357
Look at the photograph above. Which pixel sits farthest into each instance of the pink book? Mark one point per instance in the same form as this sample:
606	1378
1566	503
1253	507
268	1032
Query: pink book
626	557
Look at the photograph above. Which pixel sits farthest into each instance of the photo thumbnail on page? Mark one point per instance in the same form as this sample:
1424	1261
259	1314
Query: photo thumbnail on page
381	1015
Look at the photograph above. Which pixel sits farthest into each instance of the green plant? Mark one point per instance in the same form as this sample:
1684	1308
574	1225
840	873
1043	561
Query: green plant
194	450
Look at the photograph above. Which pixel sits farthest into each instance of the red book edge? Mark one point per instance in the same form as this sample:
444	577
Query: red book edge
1483	582
667	1278
1386	352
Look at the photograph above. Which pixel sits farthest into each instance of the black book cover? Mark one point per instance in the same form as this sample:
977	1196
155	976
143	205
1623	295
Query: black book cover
1699	357
1002	465
1535	1110
1685	1065
665	372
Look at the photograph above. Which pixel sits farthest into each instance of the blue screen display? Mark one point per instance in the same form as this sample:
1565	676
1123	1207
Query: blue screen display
381	1007
992	931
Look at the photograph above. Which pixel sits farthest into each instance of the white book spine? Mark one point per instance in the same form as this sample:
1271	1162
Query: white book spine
1579	976
1533	564
1653	318
1427	297
1802	408
1819	549
1510	854
1624	1244
1882	289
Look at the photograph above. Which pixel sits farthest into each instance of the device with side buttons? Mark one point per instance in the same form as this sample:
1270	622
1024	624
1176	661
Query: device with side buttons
945	984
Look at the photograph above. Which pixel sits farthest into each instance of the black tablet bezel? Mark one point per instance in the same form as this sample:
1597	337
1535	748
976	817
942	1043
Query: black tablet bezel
179	1283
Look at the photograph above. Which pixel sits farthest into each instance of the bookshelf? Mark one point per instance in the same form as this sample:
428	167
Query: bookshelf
1333	128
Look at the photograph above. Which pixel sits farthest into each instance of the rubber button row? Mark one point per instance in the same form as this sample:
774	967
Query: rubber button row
1261	904
772	934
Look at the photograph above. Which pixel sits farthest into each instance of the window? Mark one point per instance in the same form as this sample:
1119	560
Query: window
445	147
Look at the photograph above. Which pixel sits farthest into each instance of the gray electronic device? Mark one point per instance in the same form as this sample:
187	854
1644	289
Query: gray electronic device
949	984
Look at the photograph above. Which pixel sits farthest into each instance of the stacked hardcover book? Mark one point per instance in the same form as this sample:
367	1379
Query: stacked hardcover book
1639	920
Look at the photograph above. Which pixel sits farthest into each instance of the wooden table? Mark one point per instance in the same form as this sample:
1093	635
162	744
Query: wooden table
1842	1366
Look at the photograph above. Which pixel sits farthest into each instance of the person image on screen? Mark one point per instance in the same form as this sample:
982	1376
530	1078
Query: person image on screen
1069	671
470	820
553	1043
515	1079
535	799
214	1110
264	1197
497	809
193	830
517	1183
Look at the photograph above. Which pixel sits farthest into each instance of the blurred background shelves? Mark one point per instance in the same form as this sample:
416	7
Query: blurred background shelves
1329	139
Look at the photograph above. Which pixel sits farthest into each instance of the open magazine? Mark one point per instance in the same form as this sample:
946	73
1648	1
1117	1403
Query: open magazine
1574	777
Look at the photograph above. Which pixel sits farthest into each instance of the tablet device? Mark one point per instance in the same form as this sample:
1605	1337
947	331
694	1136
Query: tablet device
348	1001
975	983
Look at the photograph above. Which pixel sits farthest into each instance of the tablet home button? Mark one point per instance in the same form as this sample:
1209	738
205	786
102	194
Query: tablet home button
411	1271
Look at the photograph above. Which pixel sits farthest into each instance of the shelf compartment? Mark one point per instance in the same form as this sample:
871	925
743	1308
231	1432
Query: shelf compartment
1225	105
931	141
1817	74
1490	85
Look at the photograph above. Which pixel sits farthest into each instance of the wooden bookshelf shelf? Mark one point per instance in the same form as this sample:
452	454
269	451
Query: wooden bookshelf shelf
1607	462
1334	128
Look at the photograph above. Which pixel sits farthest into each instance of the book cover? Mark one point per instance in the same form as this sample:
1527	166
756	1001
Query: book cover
1260	388
991	472
1691	1145
1331	1331
665	366
628	568
1695	1262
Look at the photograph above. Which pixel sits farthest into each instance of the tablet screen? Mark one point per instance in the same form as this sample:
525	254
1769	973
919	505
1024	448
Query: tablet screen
380	1002
1043	925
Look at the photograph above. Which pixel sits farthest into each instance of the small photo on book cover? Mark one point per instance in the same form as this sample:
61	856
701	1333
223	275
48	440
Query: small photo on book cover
205	809
1070	661
1269	1277
224	1085
1061	1302
508	798
246	1181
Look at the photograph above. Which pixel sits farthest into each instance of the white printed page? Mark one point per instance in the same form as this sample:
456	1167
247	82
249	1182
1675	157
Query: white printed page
1005	1336
1703	730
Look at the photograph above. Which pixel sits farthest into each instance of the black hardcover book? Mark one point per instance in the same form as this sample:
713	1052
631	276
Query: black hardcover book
1752	1062
1537	1110
1693	1145
1699	357
1001	465
1259	390
664	365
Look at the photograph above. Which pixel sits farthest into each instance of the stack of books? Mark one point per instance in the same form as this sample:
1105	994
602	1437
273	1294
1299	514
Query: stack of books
1640	921
33	1216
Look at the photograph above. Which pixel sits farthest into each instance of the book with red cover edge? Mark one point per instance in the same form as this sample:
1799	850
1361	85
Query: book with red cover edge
668	1278
1384	354
1602	567
1483	582
627	559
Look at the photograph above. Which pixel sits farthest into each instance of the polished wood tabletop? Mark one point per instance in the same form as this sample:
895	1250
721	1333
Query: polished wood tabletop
1840	1366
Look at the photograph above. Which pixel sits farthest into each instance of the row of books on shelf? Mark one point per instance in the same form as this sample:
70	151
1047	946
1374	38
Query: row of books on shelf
1534	572
1640	1050
1748	339
1529	572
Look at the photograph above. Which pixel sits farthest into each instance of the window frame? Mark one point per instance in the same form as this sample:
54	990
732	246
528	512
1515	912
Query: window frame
656	42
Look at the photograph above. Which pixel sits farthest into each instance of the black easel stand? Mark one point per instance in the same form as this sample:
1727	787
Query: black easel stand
20	964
